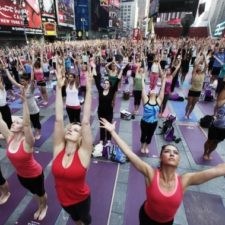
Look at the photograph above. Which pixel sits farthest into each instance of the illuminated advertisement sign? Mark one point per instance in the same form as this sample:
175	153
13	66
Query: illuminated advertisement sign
49	29
47	8
115	3
13	14
65	12
82	15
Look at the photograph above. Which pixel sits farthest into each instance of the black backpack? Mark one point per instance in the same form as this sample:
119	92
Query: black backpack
206	121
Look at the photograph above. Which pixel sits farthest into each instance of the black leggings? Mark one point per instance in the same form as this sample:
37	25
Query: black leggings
145	220
6	115
137	97
2	179
74	115
147	131
103	132
34	184
165	99
35	119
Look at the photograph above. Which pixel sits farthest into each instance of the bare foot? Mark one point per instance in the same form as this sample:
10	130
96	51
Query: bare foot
4	198
43	213
37	136
146	150
37	213
207	157
142	150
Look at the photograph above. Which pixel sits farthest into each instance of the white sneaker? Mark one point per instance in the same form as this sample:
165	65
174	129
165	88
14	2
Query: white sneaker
98	150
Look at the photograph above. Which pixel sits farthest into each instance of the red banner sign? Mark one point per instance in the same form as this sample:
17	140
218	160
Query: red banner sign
13	14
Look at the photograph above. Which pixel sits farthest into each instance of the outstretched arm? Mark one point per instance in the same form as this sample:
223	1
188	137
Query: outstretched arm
201	177
144	95
58	138
85	124
29	138
140	165
162	90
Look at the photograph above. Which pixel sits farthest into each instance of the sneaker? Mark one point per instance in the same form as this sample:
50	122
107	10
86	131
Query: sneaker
98	150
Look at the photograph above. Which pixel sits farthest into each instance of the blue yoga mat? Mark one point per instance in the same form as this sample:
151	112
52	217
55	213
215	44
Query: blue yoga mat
101	179
204	209
195	140
207	108
179	109
17	191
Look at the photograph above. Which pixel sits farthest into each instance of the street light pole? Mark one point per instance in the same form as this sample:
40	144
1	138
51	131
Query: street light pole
82	20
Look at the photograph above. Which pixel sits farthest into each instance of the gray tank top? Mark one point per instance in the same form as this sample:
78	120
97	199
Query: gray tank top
220	118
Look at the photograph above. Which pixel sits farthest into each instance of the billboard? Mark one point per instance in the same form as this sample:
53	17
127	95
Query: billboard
12	14
65	13
47	8
99	16
82	15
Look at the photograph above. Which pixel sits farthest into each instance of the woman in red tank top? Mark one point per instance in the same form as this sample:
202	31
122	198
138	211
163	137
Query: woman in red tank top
164	188
20	141
72	156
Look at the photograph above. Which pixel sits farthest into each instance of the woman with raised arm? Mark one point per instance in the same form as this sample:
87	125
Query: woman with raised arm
164	187
20	143
197	80
149	120
72	156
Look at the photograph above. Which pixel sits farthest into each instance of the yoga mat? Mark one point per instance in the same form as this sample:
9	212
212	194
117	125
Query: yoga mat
207	108
97	137
204	209
136	135
17	104
46	131
94	103
179	109
101	179
54	207
136	195
17	191
51	99
117	106
195	140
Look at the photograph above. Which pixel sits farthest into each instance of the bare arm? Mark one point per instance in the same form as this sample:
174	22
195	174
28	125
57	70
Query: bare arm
13	81
162	90
58	136
201	177
85	125
140	165
29	138
144	95
4	129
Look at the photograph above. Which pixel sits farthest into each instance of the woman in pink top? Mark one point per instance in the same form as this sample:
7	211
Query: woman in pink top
164	187
83	80
20	141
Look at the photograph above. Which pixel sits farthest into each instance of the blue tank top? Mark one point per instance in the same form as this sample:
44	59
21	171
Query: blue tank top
150	114
220	118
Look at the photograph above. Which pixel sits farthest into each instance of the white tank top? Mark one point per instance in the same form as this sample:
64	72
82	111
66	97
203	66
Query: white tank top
72	96
2	97
155	68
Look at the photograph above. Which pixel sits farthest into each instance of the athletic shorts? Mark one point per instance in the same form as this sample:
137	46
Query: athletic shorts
194	93
80	211
34	184
216	133
41	83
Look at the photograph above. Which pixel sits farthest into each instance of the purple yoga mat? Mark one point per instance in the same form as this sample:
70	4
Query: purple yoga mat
204	209
97	138
195	140
207	108
94	103
136	135
46	131
17	191
54	207
101	179
117	106
51	99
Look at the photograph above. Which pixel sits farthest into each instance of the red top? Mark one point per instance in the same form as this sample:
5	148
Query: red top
25	164
70	183
161	206
39	75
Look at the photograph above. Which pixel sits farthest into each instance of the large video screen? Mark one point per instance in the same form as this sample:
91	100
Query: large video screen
65	12
99	15
12	14
47	8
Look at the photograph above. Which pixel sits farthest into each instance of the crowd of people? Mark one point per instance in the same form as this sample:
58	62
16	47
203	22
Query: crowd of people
151	70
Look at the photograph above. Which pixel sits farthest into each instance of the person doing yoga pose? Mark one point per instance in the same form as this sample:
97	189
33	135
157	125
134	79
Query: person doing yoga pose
164	187
20	141
72	156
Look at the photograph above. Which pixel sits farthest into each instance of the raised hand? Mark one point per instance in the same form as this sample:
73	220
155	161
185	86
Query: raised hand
107	125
